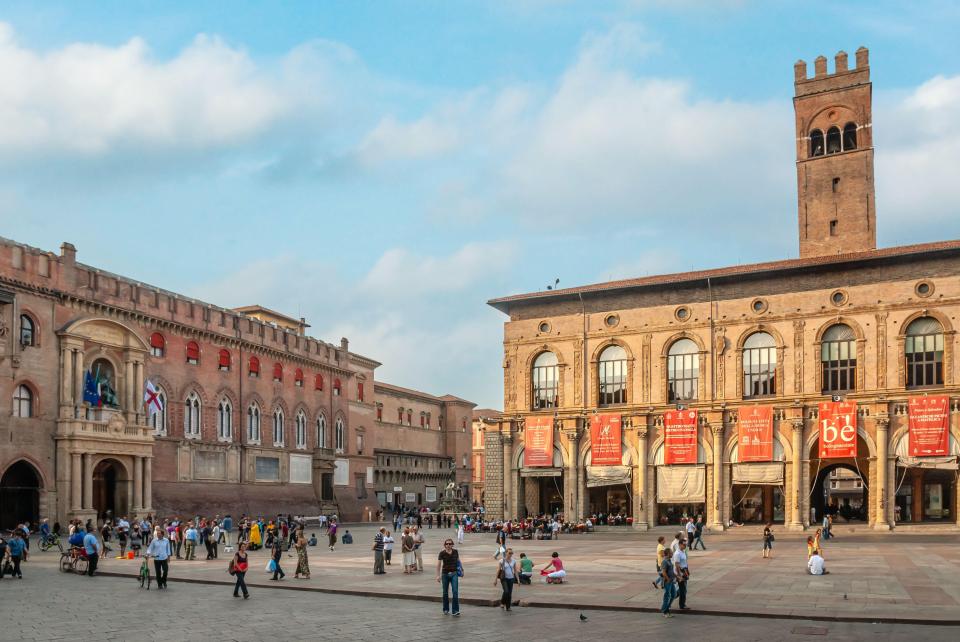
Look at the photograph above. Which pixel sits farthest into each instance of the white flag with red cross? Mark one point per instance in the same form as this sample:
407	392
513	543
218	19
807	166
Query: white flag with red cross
151	399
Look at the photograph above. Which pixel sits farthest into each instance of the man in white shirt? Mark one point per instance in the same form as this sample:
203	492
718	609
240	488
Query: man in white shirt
691	527
675	544
683	573
815	565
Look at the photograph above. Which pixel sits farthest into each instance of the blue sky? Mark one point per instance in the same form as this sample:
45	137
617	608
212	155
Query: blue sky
383	168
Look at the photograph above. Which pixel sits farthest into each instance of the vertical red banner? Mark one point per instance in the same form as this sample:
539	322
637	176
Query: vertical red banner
929	426
680	437
838	429
538	442
755	434
605	440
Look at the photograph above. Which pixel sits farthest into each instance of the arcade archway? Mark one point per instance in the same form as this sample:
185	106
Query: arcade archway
19	495
111	497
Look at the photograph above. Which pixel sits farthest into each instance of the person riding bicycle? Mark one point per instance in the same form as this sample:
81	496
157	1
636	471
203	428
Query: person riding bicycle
44	530
76	540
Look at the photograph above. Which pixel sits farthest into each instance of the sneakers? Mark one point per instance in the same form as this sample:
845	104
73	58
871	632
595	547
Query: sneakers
668	615
456	614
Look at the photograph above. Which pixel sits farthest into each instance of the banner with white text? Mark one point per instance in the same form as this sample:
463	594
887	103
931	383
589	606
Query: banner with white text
680	437
538	442
838	429
605	440
929	426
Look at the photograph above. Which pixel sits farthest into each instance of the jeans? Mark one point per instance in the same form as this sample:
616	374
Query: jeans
448	580
190	546
16	565
419	557
682	593
278	571
179	545
162	567
669	594
378	563
507	598
92	563
241	585
698	540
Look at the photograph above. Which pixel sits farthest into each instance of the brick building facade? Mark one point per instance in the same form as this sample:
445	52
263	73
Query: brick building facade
846	321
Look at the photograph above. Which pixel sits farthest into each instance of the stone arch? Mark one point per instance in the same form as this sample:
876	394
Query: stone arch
760	327
302	407
781	351
279	402
684	334
528	373
838	320
254	397
936	314
35	320
37	468
594	373
811	441
107	332
606	343
861	349
702	361
948	335
34	396
230	395
194	386
845	114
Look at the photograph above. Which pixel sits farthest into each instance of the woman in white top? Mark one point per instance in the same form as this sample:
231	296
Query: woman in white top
387	547
460	533
507	572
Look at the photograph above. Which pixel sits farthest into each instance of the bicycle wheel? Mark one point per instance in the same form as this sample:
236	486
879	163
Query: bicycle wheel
65	562
80	567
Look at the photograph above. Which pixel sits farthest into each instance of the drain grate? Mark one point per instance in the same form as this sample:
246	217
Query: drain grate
809	630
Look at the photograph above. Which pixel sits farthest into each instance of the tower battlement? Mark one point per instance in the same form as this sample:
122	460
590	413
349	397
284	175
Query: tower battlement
841	77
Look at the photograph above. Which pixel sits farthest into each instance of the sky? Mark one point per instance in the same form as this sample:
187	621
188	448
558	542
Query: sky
384	168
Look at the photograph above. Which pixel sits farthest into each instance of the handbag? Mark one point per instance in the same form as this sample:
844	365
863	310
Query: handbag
459	569
231	568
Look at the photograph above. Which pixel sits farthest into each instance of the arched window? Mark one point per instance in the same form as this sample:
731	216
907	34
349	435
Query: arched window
158	345
336	387
254	368
27	331
318	382
924	353
301	430
224	420
816	143
683	370
253	423
223	362
193	353
612	374
833	140
22	401
321	432
545	381
277	372
298	378
409	417
838	359
338	435
191	415
759	365
278	427
158	420
849	136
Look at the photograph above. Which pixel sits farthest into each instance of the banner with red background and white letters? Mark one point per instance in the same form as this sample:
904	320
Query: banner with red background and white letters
929	426
755	434
680	437
838	429
605	440
538	442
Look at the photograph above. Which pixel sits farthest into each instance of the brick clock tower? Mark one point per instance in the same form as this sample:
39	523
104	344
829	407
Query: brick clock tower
835	157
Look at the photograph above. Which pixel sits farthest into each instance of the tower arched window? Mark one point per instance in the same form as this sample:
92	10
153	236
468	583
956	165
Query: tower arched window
321	432
301	425
253	369
838	359
158	345
923	351
816	143
833	140
683	370
223	361
612	375
759	365
22	401
338	430
545	381
253	423
28	331
191	415
278	427
849	137
224	420
193	353
158	420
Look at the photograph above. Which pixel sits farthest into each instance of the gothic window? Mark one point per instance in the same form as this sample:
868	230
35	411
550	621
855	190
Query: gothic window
253	423
833	140
224	420
158	420
816	143
759	365
838	359
278	427
683	370
158	344
191	415
301	425
321	431
193	353
27	331
253	370
338	435
545	381
849	137
613	376
223	361
22	401
923	350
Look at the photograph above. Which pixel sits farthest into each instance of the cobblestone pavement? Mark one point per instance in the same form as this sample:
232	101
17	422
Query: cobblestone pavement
890	576
48	605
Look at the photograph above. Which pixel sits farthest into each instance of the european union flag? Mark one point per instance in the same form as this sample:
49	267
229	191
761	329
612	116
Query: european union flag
90	392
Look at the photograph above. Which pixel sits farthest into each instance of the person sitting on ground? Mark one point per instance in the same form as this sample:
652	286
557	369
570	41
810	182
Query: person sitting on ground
313	540
815	565
526	569
557	574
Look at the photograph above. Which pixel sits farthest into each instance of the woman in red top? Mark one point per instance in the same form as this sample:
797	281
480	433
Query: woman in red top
555	577
239	565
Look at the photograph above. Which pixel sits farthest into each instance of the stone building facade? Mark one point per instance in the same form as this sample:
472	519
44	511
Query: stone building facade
845	321
482	418
257	416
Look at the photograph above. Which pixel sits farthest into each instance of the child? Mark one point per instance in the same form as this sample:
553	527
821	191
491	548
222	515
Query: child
313	540
526	569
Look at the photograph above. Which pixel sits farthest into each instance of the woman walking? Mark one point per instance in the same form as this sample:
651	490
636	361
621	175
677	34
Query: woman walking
303	566
240	567
507	573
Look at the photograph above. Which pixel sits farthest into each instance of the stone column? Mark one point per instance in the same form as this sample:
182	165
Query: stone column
128	393
578	482
138	391
148	484
137	484
796	523
76	482
880	495
66	378
640	480
78	379
87	481
714	499
917	481
508	474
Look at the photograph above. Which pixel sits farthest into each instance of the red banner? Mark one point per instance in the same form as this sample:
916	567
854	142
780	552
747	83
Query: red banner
538	442
605	440
755	434
929	426
838	429
680	437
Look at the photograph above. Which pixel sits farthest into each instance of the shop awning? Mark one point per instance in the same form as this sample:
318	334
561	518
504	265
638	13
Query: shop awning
757	473
681	484
608	475
939	463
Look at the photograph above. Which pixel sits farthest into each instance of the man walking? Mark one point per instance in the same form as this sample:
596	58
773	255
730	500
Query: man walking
683	574
448	574
277	554
698	535
669	577
93	548
418	541
16	549
160	550
378	552
191	536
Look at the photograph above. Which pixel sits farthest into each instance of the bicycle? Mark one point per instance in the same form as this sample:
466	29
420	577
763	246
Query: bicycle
50	542
74	560
144	575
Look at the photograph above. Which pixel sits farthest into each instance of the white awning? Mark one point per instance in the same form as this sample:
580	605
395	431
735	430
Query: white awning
608	475
681	484
759	473
939	463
